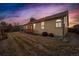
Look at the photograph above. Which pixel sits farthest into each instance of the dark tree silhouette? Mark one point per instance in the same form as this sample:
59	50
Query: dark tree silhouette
76	27
3	23
10	27
32	19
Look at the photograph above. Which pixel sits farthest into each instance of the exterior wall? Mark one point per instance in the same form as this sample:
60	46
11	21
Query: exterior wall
29	28
50	27
66	25
37	28
24	27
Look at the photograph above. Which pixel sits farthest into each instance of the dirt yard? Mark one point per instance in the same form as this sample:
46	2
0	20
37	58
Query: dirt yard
22	44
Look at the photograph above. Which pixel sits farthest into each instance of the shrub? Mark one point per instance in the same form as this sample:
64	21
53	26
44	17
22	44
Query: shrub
73	30
76	27
44	34
51	34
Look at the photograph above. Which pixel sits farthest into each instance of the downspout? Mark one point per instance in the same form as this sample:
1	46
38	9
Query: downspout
63	27
67	20
64	24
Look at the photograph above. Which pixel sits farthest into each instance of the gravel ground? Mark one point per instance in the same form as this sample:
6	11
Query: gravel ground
4	47
22	44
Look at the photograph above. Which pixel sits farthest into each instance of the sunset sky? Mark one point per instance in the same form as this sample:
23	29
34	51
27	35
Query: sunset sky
13	12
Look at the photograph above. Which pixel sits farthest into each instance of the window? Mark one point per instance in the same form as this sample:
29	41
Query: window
26	27
42	25
58	23
34	25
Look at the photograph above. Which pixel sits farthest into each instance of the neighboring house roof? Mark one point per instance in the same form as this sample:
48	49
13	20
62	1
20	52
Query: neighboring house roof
59	15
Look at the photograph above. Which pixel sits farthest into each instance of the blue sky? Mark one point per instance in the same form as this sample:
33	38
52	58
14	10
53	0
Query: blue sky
14	12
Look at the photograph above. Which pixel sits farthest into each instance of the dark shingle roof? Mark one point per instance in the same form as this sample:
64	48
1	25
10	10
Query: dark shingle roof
59	15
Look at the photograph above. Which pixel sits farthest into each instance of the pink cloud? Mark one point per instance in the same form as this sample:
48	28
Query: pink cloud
43	11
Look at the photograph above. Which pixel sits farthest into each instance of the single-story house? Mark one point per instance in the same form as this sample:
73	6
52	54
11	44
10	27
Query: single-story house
57	24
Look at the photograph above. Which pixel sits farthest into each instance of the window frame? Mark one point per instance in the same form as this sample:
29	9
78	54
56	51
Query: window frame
34	26
42	25
26	27
59	23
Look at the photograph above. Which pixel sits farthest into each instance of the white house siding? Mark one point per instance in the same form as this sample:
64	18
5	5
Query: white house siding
37	28
50	27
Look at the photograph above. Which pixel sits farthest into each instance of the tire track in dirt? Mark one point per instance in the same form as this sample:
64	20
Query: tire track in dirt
62	49
3	47
23	46
13	47
36	46
42	40
37	39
